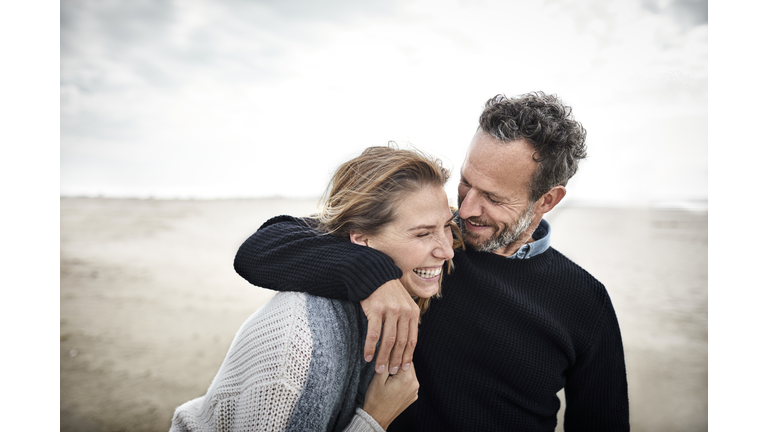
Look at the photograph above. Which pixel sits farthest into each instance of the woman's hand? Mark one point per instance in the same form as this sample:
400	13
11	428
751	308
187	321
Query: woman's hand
389	395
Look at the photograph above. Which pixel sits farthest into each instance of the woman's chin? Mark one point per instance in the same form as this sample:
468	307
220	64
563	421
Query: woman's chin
422	288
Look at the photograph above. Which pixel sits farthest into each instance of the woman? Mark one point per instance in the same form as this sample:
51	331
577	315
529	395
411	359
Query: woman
296	364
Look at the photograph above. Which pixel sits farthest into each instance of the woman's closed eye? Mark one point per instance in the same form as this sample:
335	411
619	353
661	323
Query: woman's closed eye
446	228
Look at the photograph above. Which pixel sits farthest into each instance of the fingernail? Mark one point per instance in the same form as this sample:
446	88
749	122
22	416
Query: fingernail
368	358
380	369
393	371
406	366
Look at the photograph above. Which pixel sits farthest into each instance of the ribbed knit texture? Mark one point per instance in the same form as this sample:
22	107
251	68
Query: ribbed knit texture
294	365
270	252
493	352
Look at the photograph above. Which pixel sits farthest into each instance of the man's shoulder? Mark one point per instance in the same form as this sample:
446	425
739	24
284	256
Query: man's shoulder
564	264
550	260
578	280
550	269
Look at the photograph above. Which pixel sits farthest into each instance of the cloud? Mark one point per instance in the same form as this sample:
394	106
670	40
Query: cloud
687	12
266	98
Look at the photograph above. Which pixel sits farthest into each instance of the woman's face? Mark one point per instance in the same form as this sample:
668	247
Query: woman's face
419	240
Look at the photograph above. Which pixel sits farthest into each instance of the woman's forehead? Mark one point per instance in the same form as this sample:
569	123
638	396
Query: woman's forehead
428	205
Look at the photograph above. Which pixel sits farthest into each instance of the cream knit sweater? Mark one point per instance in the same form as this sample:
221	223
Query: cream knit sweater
295	364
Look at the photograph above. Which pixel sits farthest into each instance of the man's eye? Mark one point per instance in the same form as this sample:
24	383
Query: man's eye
422	234
493	201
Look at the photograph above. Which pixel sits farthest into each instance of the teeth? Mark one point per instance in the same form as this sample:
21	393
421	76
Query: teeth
428	274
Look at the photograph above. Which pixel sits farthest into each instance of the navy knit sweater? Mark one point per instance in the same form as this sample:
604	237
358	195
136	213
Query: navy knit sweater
493	352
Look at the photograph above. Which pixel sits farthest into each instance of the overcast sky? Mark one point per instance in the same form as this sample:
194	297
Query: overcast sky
265	98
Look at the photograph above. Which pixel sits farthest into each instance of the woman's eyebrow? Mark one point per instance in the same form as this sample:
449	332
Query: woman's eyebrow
424	226
427	226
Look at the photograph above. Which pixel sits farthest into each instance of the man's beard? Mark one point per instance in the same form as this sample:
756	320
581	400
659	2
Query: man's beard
503	236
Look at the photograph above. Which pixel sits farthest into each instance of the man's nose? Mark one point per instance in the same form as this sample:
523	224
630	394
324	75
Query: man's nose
470	205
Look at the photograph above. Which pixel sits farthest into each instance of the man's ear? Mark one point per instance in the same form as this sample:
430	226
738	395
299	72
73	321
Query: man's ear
549	200
358	238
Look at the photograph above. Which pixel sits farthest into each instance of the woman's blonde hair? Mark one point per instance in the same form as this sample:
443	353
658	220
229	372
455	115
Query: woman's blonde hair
364	192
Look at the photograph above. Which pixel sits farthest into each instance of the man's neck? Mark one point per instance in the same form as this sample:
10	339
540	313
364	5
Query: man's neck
525	237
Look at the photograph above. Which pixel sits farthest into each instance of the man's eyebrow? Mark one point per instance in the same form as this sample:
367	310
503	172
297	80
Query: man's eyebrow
493	195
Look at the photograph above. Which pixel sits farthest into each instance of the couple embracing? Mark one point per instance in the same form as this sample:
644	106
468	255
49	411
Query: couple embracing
503	320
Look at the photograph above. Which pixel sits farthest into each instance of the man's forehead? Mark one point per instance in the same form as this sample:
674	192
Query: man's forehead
502	167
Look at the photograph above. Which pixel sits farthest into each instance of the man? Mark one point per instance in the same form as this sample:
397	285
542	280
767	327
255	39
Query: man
517	322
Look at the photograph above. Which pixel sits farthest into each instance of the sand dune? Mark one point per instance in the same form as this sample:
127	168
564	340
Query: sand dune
150	303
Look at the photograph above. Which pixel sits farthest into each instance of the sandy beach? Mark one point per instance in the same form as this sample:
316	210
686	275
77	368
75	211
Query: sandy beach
150	303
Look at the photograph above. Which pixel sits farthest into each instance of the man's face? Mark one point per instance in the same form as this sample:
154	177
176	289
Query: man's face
496	214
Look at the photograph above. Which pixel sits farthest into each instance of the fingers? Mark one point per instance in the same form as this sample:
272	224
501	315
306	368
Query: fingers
393	319
406	383
407	333
380	379
389	395
413	335
374	327
396	357
388	338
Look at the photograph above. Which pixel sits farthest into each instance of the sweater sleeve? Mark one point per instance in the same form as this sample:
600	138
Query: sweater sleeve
262	376
362	422
287	254
596	387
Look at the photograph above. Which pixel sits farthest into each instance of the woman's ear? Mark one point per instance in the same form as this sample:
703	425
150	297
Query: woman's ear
358	238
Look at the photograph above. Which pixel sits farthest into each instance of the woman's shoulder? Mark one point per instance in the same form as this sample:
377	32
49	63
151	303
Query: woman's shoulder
272	348
295	325
332	322
303	309
280	319
324	312
283	304
289	301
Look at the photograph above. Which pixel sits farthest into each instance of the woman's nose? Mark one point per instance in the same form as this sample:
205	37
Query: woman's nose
445	248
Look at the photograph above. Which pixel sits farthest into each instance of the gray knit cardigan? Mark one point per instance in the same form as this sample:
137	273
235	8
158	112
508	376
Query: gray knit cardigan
296	364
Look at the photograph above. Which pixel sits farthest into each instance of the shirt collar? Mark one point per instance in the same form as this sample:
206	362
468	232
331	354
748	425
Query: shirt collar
541	237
